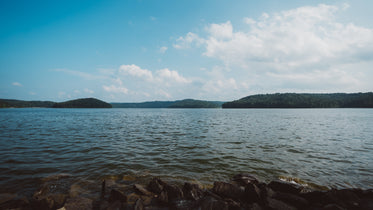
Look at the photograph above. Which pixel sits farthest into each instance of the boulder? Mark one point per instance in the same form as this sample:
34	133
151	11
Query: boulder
227	190
210	203
252	193
116	195
156	185
285	187
291	199
243	179
80	203
192	191
278	205
139	188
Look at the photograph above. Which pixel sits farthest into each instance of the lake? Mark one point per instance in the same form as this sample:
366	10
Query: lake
323	147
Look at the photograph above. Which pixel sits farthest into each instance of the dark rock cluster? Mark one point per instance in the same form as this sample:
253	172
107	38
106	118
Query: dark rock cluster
244	191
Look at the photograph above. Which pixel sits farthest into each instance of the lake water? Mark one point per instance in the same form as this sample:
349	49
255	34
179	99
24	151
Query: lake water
327	147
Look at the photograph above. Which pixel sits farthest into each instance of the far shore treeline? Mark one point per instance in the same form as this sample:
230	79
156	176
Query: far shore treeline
277	100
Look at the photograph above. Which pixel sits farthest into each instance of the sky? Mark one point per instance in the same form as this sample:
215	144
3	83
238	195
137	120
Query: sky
147	50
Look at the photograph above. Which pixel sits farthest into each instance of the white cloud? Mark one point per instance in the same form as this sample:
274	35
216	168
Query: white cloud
136	71
171	76
306	46
17	84
191	39
221	31
115	89
302	37
163	49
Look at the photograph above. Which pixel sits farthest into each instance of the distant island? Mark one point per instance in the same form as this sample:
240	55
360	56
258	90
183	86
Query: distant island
186	103
78	103
277	100
83	103
304	100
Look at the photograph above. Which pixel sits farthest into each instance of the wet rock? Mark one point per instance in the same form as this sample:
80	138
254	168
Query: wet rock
286	187
192	191
116	205
252	193
80	203
210	203
156	185
228	190
141	189
332	207
53	201
173	192
116	195
139	205
243	179
315	197
278	205
345	198
291	199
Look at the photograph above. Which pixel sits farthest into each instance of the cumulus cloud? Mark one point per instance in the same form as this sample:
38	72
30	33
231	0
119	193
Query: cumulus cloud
167	75
188	41
306	44
136	71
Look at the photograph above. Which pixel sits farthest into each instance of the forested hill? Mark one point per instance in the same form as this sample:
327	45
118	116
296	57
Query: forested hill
304	100
186	103
5	103
83	103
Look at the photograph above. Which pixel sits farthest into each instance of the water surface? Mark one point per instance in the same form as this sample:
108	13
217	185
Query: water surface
328	147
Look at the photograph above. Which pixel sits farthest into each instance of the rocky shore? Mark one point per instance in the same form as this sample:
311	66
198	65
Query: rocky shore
243	191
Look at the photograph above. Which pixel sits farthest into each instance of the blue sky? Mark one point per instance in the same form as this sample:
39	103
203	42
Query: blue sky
132	51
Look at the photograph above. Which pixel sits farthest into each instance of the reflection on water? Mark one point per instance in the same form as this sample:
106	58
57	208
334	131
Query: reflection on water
328	147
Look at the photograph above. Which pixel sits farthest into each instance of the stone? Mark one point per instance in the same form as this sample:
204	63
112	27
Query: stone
252	193
116	195
156	185
80	203
332	206
192	191
173	192
228	190
291	199
210	203
244	179
139	205
286	187
139	188
278	205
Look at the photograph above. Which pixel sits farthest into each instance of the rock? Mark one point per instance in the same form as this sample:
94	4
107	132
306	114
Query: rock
278	205
315	197
141	189
139	205
286	187
252	193
192	191
228	190
53	201
156	185
80	203
173	192
243	179
332	207
345	198
116	205
210	203
116	195
291	199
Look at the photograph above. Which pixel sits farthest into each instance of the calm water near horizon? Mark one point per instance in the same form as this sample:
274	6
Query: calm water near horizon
328	147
